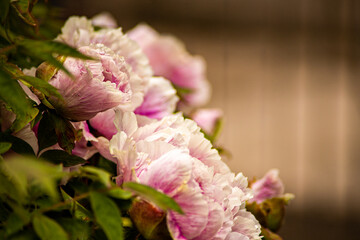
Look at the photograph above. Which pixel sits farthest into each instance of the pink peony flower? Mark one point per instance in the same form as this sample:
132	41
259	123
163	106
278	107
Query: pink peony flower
78	32
98	85
269	186
172	156
159	101
169	58
207	119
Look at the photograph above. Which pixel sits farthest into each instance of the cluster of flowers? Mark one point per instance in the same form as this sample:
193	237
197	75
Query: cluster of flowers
125	100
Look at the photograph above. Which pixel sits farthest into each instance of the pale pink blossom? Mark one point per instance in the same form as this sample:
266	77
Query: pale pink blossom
104	20
268	187
78	32
169	58
207	118
98	85
172	156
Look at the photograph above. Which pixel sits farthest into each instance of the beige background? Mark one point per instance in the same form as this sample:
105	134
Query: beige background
286	73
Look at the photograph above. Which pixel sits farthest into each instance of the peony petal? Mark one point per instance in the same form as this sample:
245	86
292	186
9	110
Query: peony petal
267	187
201	149
104	20
196	209
160	99
207	118
246	224
169	173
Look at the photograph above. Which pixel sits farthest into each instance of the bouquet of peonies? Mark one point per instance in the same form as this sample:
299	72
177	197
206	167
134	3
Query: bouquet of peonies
103	137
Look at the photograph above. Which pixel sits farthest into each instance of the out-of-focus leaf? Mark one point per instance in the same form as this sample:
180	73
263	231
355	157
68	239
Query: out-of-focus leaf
107	216
17	145
269	235
44	50
46	132
217	130
107	165
119	193
181	90
42	86
77	229
5	211
98	174
59	156
14	187
14	223
65	132
150	194
4	6
4	147
38	85
270	213
15	97
46	228
36	172
79	211
45	56
27	234
23	9
51	47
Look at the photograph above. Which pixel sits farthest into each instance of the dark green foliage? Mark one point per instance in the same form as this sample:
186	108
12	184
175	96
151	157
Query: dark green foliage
59	156
17	145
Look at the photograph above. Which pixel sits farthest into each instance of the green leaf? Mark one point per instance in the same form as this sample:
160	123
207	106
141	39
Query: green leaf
161	200
77	229
79	210
65	132
44	56
44	50
59	156
27	234
4	6
51	47
14	224
23	9
46	132
42	86
98	174
36	120
39	86
107	216
46	228
14	187
4	147
15	97
18	145
119	193
107	165
35	171
269	235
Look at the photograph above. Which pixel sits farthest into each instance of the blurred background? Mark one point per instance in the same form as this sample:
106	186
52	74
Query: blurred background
286	73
